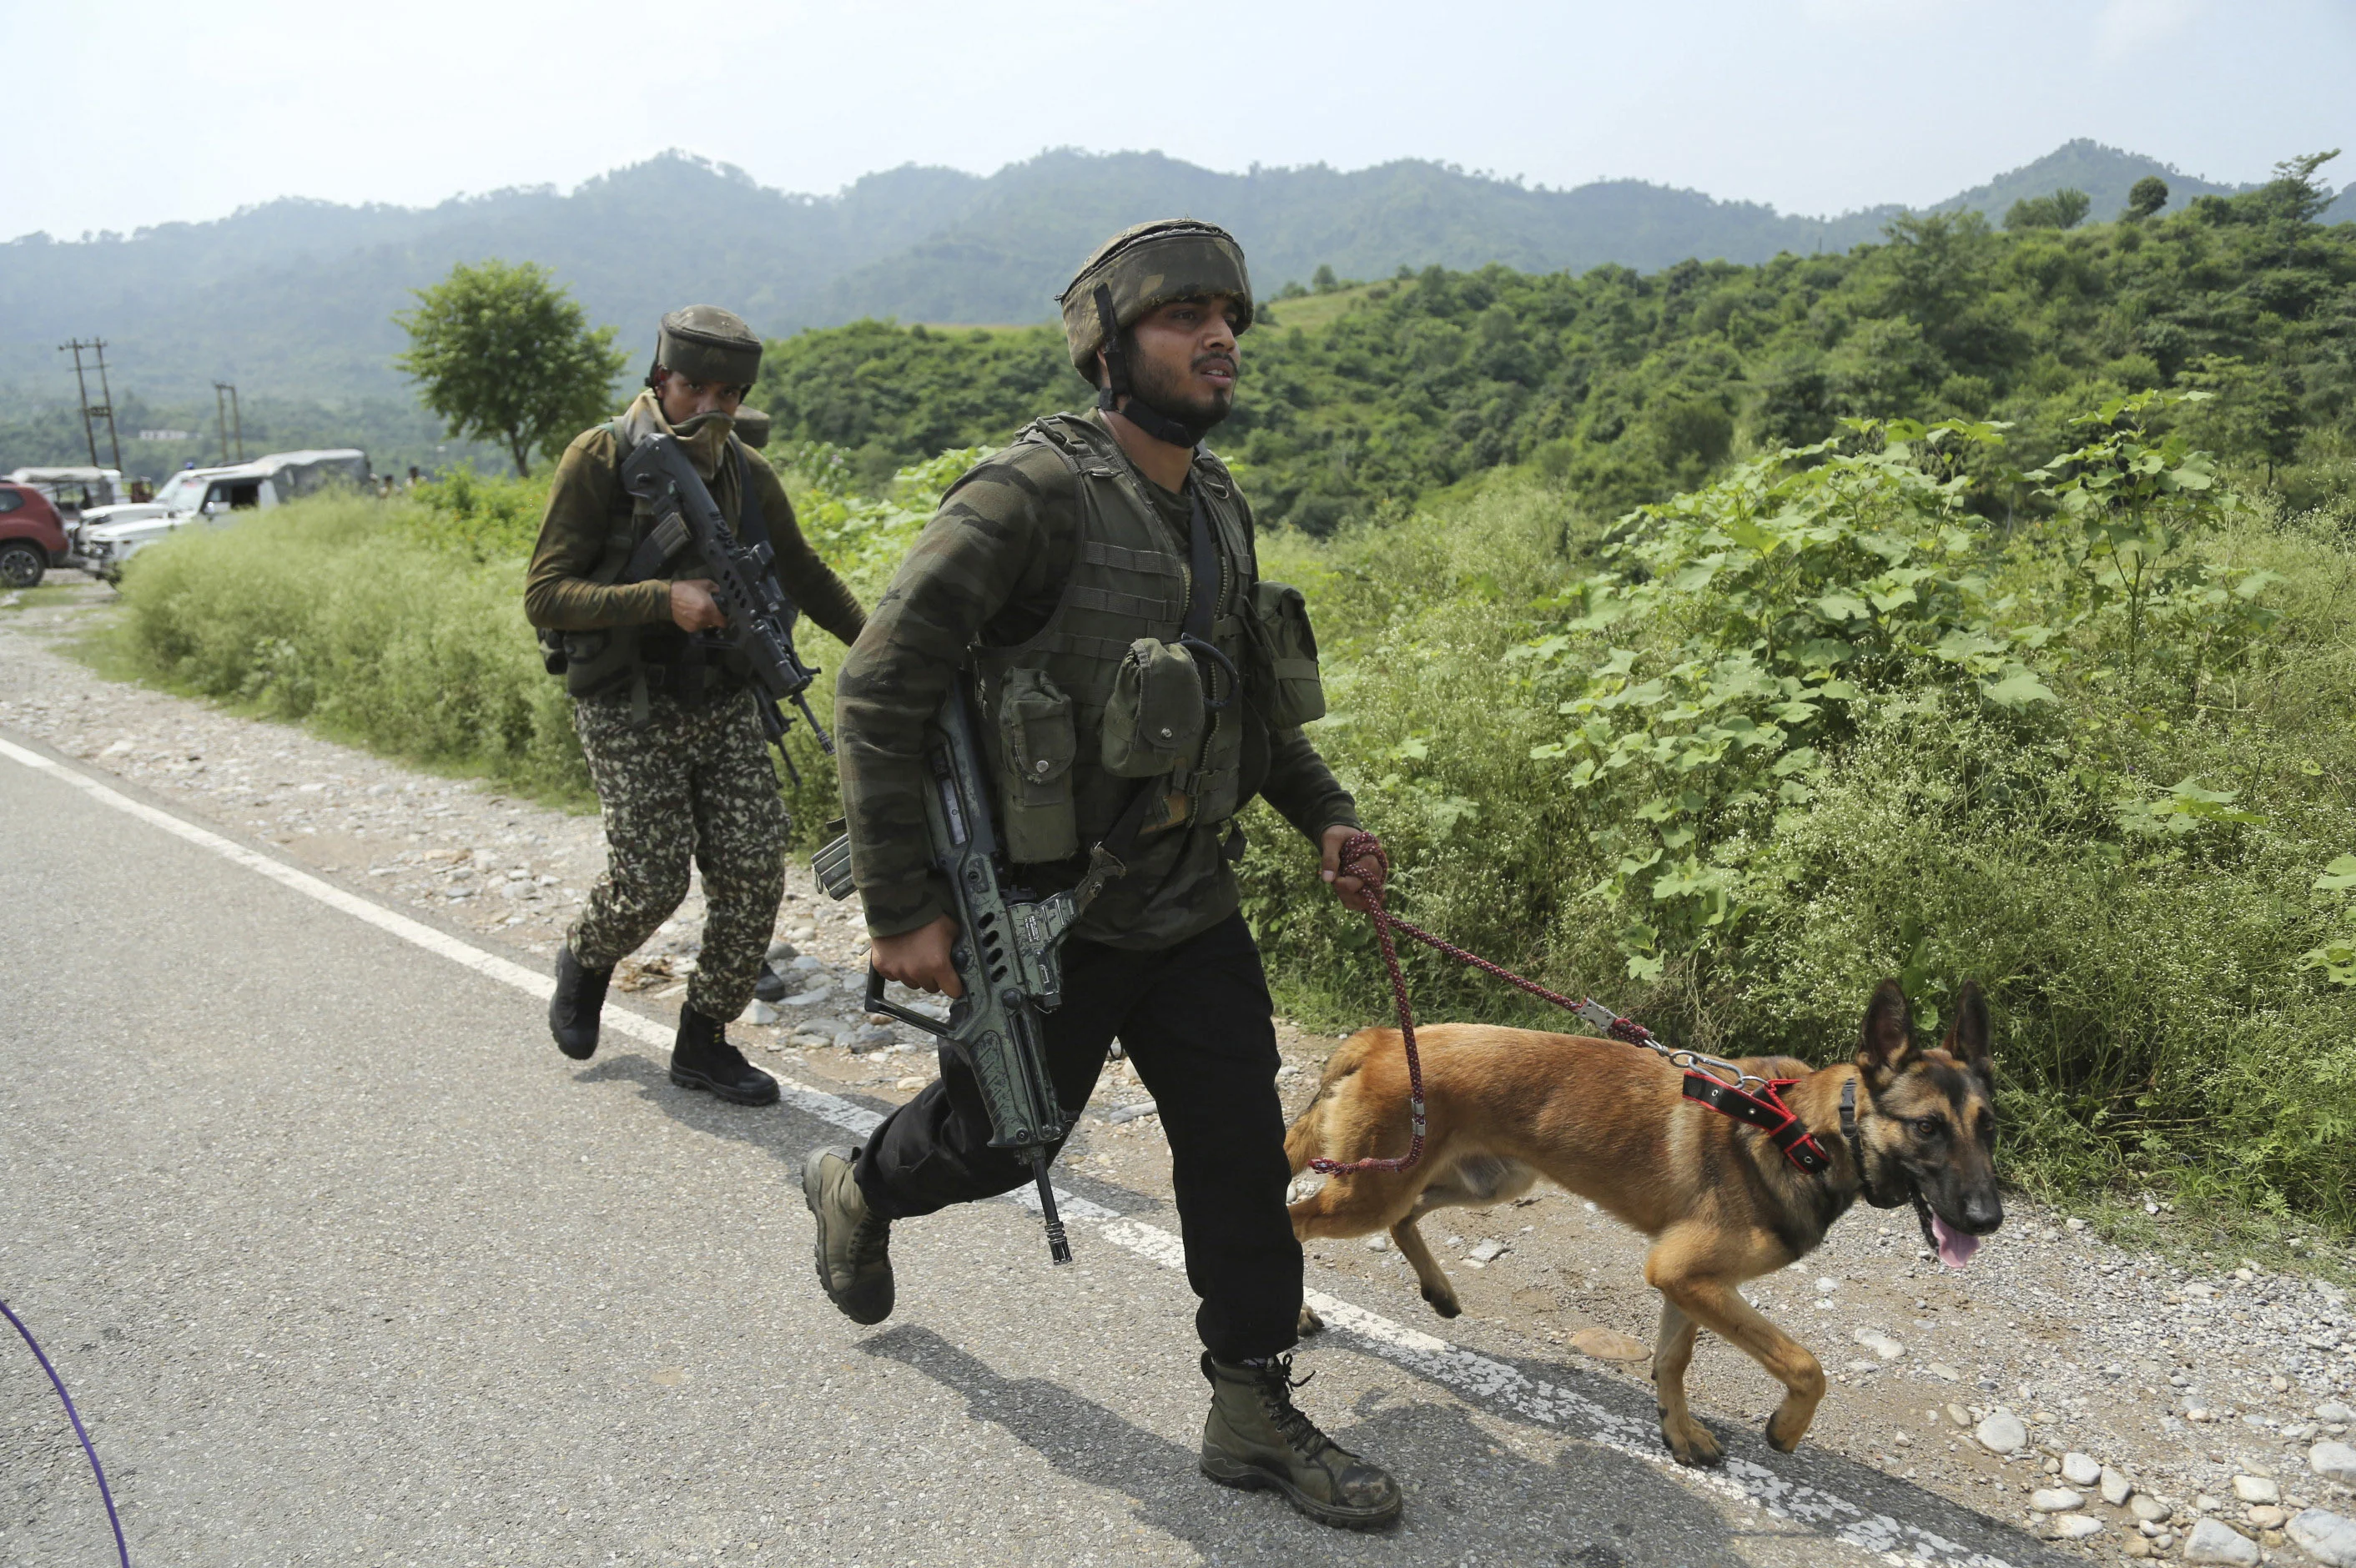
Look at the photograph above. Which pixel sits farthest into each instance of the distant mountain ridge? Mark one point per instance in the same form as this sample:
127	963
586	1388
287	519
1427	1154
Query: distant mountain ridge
297	296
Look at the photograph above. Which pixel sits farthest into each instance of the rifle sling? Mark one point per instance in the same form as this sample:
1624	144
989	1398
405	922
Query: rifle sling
667	538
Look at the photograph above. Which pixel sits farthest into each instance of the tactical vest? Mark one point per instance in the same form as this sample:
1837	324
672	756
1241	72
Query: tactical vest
1101	696
657	656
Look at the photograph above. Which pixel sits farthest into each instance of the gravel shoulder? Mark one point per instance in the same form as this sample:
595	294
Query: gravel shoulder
2207	1393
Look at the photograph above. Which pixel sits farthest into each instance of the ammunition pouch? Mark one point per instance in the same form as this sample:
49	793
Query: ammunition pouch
1038	742
1153	722
1285	685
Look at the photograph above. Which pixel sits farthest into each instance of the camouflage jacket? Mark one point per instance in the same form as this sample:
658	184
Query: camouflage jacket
989	568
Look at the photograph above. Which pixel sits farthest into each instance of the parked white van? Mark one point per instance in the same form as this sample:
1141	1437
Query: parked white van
211	497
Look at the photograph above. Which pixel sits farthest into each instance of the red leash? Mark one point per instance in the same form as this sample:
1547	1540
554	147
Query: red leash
1713	1082
1362	856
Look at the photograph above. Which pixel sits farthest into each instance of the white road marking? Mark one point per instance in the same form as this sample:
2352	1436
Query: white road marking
1479	1377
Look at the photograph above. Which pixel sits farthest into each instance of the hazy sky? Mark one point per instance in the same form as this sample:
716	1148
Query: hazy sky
135	112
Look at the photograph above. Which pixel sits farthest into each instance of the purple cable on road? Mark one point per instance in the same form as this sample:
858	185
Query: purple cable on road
75	1417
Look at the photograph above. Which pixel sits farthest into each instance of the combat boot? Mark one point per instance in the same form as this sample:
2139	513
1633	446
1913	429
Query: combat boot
1256	1438
854	1242
701	1058
580	997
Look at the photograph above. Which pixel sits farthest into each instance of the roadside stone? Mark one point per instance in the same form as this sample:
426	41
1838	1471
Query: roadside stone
1943	1372
2116	1487
2214	1541
1488	1250
2135	1546
2265	1516
761	1012
2147	1508
1883	1347
2002	1433
2077	1526
2081	1469
1606	1345
2333	1413
2256	1490
2332	1461
2329	1538
2054	1499
1958	1414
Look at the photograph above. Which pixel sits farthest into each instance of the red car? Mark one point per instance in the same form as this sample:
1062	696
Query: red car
32	539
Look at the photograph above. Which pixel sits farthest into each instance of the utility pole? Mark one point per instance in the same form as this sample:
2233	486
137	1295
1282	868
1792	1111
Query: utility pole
93	412
225	416
106	396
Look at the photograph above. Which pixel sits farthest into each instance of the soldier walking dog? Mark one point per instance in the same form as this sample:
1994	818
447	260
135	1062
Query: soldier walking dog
1094	589
1722	1204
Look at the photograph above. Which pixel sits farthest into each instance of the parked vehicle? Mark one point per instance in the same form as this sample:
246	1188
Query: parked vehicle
32	536
73	491
211	497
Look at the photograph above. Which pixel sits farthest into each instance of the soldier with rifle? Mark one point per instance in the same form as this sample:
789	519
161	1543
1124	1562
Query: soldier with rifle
1087	609
665	583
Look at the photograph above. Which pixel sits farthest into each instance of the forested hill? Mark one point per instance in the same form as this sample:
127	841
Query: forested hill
296	297
1626	387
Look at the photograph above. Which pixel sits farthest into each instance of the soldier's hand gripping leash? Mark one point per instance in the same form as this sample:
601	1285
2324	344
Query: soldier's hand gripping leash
1005	955
745	581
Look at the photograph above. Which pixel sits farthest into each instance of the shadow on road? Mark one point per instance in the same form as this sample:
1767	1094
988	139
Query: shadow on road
1469	1498
1819	1491
783	1137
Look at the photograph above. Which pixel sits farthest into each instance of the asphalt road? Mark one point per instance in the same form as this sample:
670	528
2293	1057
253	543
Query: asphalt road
344	1263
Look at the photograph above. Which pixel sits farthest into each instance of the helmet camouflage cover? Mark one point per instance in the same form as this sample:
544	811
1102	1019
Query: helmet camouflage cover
1146	267
705	342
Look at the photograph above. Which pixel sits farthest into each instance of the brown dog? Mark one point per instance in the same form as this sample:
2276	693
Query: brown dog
1609	1122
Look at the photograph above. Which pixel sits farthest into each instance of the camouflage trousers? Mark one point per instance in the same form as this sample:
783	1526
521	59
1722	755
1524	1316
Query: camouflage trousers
694	783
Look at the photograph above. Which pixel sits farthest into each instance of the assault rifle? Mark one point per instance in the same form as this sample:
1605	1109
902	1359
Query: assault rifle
744	577
1005	955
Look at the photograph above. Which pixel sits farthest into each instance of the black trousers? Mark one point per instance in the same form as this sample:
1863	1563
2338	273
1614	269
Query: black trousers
1197	1021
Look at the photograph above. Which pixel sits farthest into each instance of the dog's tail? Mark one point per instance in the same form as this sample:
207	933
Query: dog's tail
1306	1139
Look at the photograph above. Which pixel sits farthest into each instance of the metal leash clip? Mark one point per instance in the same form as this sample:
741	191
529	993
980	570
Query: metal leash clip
1614	1027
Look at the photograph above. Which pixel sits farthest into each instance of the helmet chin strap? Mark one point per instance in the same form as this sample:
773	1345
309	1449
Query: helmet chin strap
1117	385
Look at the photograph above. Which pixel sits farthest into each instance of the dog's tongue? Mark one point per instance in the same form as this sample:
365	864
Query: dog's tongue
1956	1249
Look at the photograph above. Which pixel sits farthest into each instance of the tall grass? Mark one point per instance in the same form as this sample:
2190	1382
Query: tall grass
332	611
2158	1029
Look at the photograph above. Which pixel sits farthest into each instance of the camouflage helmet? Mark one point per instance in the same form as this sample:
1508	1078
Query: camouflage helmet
1141	269
705	342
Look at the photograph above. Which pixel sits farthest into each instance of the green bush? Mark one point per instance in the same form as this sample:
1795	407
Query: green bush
398	623
1820	724
1727	761
332	611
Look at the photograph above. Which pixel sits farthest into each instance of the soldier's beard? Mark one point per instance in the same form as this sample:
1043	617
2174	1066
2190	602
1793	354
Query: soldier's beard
1165	394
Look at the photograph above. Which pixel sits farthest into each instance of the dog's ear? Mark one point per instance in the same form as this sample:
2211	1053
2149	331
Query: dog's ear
1889	1040
1967	1036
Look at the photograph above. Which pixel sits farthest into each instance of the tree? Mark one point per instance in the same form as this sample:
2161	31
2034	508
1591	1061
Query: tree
2146	198
503	354
2062	209
2294	192
1323	280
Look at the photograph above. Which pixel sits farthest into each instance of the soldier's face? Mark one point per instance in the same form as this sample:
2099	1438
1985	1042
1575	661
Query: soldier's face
682	399
1185	361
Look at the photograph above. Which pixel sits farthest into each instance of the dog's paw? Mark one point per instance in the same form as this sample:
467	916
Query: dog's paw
1310	1323
1784	1430
1690	1444
1444	1302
